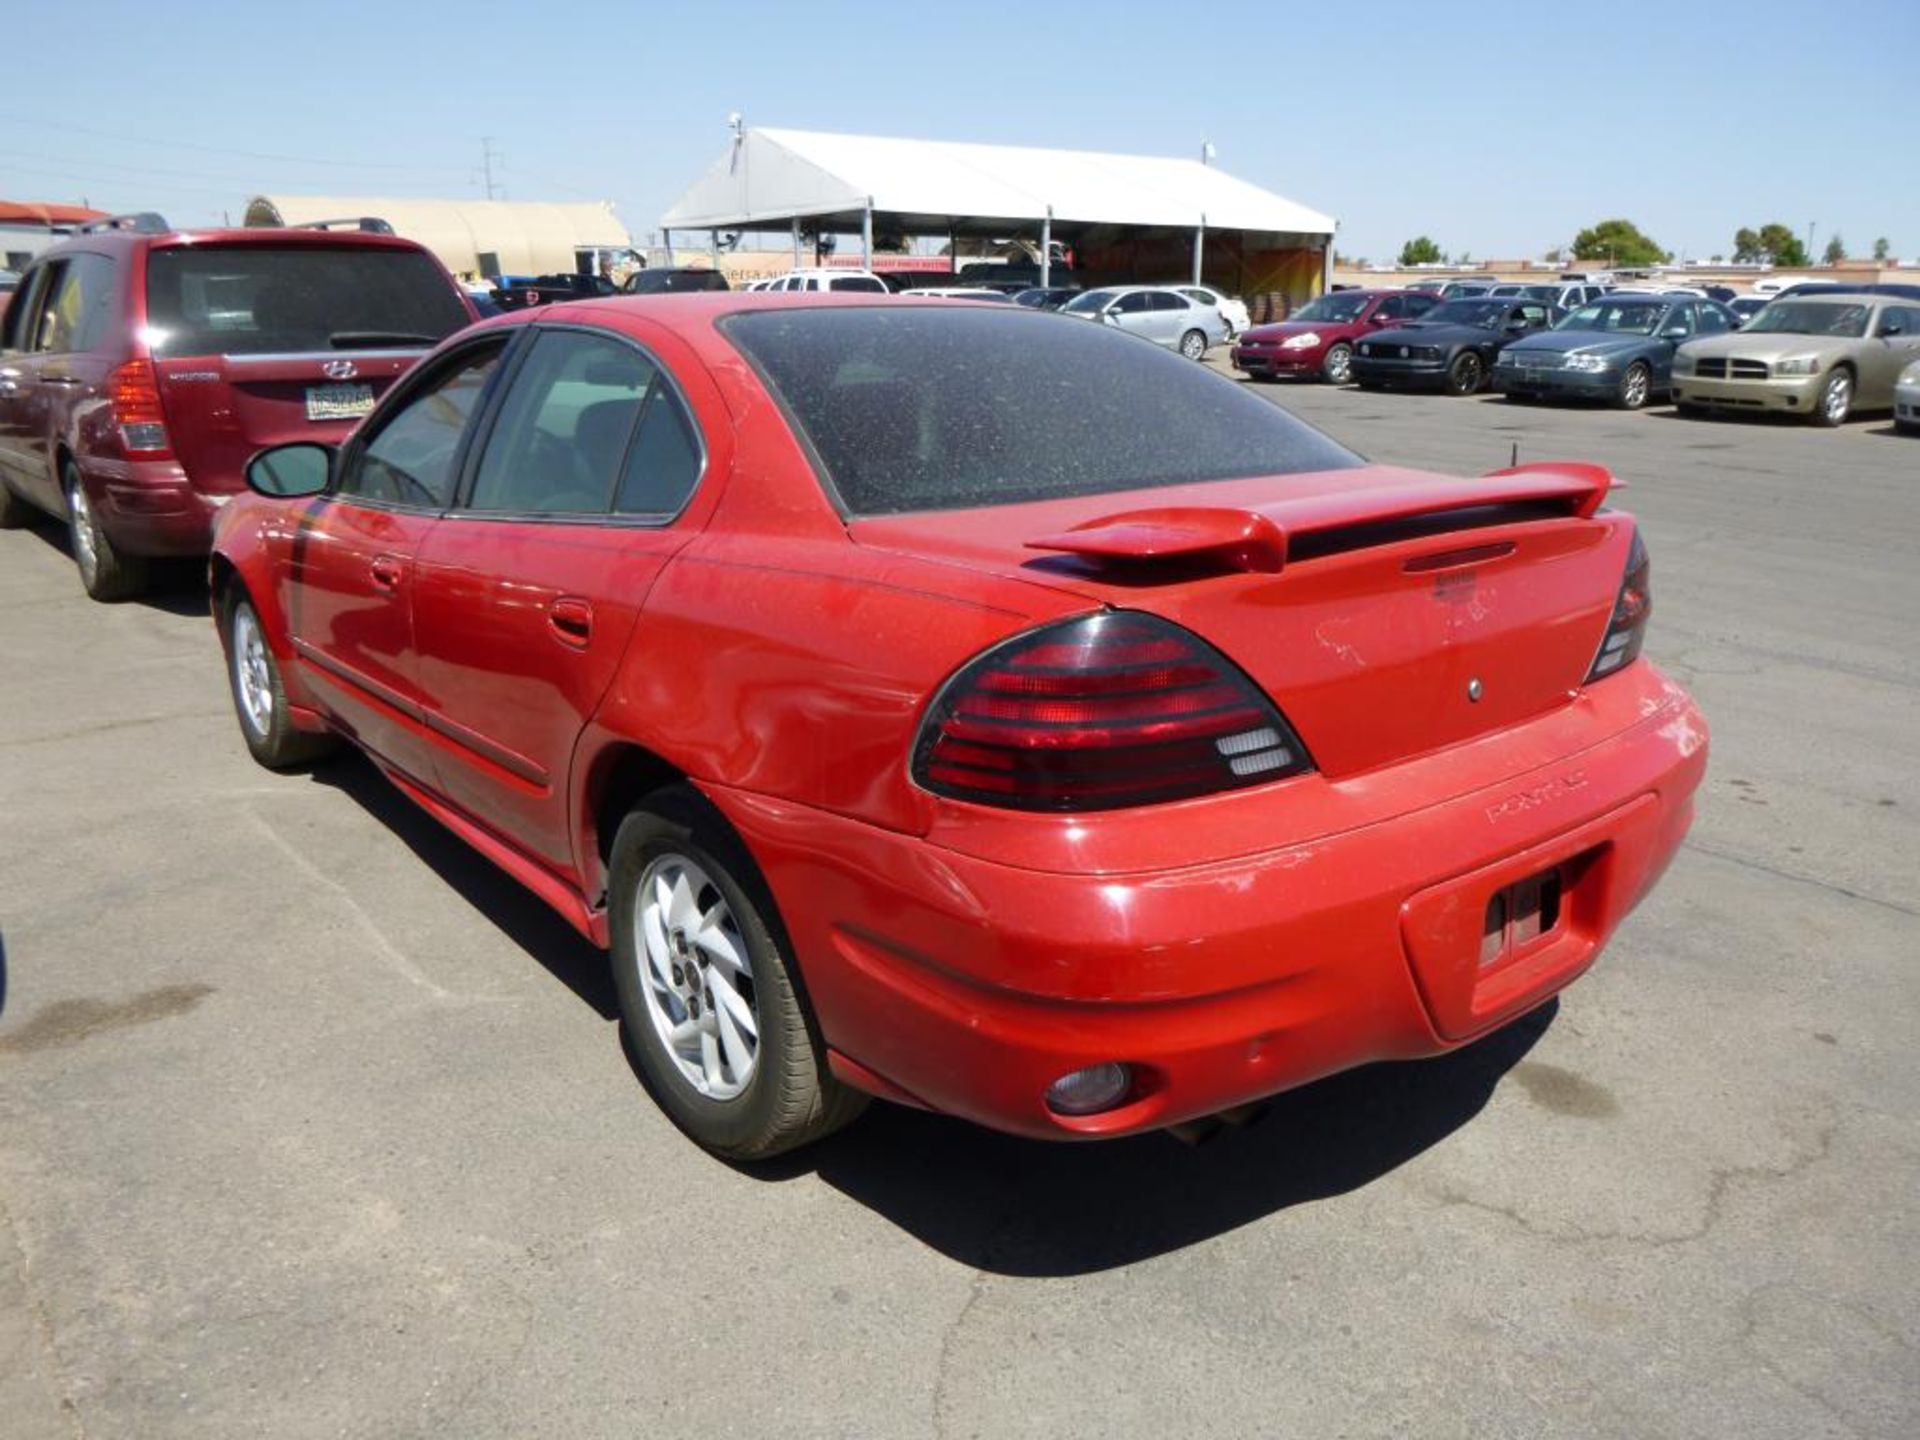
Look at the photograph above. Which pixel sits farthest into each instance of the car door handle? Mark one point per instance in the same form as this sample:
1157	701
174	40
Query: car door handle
387	571
571	621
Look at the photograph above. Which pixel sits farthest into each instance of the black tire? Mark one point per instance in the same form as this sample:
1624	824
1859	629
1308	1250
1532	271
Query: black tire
1907	427
1466	374
1689	412
1337	367
1193	345
1371	384
1836	399
1636	387
790	1098
270	738
106	572
15	513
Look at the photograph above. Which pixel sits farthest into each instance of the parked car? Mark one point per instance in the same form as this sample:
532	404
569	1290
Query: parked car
1906	400
1318	338
140	366
1232	309
9	282
524	294
1050	298
960	292
672	280
722	627
818	278
1745	307
1618	349
1561	296
1820	357
1154	313
1464	289
1451	347
1826	287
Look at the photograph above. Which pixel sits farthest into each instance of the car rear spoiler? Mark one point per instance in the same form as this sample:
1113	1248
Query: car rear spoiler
1263	537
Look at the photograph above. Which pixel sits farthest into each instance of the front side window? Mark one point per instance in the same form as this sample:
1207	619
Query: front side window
561	439
409	460
1138	303
950	407
1161	300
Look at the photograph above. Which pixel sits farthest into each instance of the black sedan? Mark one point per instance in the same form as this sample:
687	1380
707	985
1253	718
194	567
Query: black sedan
1451	347
1618	349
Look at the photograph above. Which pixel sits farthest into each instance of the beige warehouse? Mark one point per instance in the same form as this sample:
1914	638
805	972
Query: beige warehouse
475	237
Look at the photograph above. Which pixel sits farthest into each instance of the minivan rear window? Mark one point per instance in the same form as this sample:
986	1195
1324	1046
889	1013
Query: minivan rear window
944	407
263	299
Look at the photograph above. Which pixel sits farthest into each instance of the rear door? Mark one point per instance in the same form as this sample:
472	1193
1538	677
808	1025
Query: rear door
527	594
351	575
259	344
19	383
57	371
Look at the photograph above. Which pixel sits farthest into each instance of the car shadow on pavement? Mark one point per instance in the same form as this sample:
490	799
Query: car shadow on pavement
177	587
514	910
1031	1208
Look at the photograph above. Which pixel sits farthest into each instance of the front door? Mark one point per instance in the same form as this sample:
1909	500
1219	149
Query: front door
527	594
352	564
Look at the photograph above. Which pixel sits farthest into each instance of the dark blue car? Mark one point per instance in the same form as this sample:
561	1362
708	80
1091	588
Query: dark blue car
1618	348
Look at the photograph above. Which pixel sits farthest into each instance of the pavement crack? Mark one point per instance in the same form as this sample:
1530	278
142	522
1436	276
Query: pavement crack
1748	863
41	1322
1720	1183
976	1289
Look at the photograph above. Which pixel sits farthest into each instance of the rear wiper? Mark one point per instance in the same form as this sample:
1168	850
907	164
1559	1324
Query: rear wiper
375	339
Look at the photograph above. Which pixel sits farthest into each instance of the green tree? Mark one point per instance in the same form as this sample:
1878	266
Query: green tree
1836	250
1620	242
1773	241
1420	251
1881	249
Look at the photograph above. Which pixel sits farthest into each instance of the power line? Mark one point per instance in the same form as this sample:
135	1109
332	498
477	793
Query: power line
124	139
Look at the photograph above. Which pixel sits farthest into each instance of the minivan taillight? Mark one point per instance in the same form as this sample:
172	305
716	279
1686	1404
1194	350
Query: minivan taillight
1628	627
134	395
1101	712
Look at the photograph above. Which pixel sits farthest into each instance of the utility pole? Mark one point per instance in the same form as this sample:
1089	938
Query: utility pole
486	163
1810	242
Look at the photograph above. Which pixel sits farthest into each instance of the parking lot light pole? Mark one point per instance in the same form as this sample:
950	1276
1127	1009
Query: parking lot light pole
1046	249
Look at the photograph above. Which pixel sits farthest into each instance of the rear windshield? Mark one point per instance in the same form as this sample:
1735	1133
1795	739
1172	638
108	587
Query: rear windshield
945	408
260	300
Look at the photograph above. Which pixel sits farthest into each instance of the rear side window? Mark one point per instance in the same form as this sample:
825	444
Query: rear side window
265	299
561	440
863	283
74	317
946	407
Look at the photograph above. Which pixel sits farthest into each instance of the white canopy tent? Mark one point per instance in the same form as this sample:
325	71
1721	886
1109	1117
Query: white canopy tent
784	178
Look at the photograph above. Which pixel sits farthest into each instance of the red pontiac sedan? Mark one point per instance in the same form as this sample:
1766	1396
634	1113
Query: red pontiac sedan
941	702
1318	339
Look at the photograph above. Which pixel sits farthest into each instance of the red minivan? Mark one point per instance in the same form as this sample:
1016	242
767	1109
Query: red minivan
140	367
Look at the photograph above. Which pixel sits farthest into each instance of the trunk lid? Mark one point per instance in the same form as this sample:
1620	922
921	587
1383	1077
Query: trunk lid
1387	613
222	409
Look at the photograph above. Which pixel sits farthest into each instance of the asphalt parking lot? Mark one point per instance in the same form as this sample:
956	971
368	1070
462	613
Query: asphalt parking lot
311	1124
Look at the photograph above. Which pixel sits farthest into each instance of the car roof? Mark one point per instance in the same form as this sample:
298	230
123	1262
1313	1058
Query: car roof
230	237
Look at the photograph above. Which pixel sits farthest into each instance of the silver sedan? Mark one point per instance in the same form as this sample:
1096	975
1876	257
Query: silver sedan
1154	312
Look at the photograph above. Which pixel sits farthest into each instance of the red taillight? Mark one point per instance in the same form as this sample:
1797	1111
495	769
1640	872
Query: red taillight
134	394
1628	627
1101	712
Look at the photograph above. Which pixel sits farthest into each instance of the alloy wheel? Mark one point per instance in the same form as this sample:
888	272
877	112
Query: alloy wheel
1339	365
252	679
1837	399
1633	390
86	549
1193	345
697	976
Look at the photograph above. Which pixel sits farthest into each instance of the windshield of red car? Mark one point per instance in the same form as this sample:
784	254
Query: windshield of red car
945	408
1810	317
1332	309
260	299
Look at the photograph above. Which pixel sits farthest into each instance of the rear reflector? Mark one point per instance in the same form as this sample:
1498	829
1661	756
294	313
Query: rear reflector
1089	1091
1106	711
133	393
1627	628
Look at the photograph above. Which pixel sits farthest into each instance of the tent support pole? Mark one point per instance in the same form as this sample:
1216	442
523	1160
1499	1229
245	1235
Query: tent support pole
866	236
1199	243
713	247
666	237
1046	249
796	242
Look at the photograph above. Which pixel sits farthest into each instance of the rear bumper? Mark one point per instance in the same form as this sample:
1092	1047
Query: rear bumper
1796	396
970	985
150	507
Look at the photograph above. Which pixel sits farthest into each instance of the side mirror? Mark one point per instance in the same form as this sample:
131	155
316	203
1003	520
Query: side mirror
288	472
1675	333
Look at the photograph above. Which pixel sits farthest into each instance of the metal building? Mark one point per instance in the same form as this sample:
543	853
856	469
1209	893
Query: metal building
472	237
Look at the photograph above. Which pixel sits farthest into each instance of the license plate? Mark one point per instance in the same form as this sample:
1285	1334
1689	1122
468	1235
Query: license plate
338	402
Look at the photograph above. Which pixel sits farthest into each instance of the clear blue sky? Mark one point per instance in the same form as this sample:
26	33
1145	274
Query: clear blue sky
1497	128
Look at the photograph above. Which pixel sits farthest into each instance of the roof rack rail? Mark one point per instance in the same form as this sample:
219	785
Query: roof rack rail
141	222
367	224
